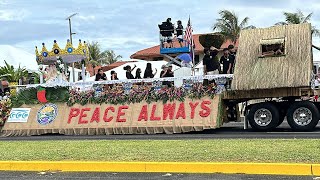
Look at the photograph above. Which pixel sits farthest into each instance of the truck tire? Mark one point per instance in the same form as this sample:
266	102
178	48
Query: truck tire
263	116
303	116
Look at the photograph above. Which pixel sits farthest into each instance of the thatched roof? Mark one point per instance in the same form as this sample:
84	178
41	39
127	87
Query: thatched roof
290	70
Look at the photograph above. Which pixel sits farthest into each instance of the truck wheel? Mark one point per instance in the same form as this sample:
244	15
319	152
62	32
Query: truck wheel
303	116
263	116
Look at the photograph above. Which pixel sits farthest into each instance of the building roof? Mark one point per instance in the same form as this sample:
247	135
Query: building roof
153	52
106	68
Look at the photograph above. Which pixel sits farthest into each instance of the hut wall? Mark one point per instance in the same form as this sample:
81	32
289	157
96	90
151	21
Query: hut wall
291	70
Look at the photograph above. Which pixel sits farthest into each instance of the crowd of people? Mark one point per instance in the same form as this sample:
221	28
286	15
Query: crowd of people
212	65
148	73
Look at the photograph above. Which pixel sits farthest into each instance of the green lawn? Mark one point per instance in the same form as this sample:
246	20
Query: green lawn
235	150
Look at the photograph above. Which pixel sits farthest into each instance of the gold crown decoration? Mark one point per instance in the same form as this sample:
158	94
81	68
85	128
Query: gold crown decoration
69	55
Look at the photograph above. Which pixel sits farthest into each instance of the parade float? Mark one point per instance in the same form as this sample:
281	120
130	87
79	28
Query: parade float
273	78
137	106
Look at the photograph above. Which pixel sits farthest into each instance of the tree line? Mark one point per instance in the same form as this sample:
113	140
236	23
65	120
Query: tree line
230	26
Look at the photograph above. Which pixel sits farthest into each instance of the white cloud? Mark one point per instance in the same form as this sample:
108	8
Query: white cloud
13	15
87	18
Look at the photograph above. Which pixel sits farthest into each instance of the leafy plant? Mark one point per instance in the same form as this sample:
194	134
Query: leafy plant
208	40
12	74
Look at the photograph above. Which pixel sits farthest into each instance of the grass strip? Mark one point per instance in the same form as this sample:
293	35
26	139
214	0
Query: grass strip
235	150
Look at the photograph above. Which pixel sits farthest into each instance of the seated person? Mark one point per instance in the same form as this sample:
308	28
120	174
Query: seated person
101	76
270	50
279	50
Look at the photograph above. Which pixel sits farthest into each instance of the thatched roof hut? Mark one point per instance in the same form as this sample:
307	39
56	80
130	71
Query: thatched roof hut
290	68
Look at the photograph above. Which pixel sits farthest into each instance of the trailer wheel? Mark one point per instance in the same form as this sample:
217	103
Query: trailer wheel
303	116
263	116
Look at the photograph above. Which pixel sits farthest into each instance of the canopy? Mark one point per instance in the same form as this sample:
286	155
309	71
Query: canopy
16	56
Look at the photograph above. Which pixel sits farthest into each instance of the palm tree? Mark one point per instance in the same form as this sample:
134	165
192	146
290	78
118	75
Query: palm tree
98	57
12	74
229	26
298	18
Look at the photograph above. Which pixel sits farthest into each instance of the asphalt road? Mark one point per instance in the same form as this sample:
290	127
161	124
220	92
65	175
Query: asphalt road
141	176
229	130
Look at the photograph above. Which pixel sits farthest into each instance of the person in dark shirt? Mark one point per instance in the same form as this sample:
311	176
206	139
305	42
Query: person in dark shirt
148	73
167	72
210	65
114	75
232	55
138	74
129	71
226	62
101	76
179	30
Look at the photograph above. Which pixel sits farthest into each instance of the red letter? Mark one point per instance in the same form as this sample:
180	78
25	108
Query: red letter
143	113
168	109
120	113
96	115
206	110
193	108
106	114
82	115
73	113
152	117
181	112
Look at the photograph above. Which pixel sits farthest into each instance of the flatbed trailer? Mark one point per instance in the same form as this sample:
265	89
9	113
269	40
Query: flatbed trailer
274	87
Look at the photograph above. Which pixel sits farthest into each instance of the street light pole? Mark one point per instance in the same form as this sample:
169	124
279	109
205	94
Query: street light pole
71	33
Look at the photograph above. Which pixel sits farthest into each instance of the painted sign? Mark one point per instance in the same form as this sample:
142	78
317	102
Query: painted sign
47	113
19	115
134	118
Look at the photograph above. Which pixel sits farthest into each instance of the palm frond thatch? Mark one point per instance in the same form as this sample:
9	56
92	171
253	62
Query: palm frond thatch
292	70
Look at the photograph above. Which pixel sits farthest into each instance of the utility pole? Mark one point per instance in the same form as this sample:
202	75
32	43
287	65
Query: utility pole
71	33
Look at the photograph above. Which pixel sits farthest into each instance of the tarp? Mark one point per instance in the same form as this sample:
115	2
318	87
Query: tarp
16	56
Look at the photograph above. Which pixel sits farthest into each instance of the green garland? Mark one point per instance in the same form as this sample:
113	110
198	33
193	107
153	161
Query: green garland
113	96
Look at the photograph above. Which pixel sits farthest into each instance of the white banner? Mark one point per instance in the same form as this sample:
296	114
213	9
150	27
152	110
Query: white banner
54	83
19	115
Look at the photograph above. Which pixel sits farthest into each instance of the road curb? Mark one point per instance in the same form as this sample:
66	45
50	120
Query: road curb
165	167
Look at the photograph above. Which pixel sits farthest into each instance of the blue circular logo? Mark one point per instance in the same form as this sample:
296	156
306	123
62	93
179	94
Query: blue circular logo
70	50
44	54
47	113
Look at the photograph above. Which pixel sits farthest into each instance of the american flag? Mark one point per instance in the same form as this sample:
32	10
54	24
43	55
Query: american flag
188	36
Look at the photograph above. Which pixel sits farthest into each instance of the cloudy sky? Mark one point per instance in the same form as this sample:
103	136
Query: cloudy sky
127	26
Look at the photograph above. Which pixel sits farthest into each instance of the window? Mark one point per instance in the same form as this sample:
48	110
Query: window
272	47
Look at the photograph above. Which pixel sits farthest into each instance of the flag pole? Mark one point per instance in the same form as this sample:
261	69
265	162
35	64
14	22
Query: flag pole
192	49
193	63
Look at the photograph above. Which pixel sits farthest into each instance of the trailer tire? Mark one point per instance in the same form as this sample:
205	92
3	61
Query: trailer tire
263	116
303	116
